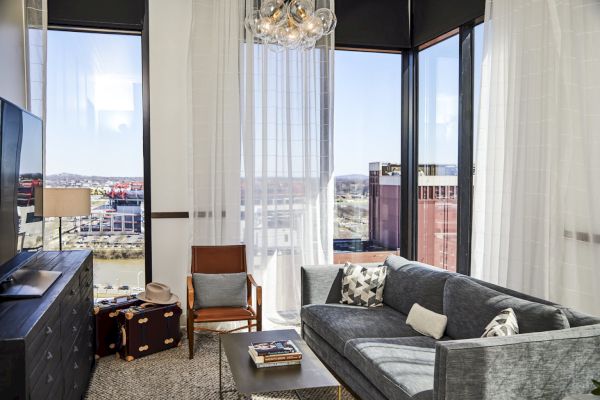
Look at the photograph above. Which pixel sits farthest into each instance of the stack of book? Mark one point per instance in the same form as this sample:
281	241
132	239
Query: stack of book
275	354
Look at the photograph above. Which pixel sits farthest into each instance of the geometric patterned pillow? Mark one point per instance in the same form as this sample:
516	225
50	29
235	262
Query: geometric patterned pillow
363	286
503	324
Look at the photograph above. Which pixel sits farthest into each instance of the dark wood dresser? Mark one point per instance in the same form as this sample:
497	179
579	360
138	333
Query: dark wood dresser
47	343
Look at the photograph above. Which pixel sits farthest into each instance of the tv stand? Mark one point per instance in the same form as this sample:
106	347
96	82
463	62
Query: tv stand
47	342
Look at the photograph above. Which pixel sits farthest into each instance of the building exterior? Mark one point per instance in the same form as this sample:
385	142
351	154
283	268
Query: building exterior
437	211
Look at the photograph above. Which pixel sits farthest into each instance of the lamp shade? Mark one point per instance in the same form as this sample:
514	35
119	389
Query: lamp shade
63	202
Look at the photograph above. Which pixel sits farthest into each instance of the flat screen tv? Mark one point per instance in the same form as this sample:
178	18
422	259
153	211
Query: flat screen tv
21	177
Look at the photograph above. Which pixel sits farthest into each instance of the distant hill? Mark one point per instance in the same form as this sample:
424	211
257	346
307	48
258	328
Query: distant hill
352	177
76	177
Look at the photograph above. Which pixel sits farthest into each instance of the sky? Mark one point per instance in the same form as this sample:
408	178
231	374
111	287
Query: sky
94	104
94	97
367	110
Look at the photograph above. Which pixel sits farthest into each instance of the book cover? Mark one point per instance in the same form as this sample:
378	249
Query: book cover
273	357
273	363
275	347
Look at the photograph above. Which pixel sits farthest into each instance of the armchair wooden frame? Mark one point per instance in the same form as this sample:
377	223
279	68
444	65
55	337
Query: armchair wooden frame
221	260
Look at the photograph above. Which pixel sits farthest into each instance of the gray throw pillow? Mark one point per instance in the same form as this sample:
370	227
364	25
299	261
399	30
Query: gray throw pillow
220	290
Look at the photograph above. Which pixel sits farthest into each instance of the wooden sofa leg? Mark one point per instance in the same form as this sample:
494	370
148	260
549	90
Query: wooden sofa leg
190	332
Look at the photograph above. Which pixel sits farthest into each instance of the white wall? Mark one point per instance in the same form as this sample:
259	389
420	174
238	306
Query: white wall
170	24
12	52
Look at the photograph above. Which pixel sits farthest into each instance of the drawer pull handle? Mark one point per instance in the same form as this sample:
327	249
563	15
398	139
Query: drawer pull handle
72	292
49	379
143	348
113	314
75	365
74	329
90	328
142	321
48	330
75	349
74	312
49	356
169	341
75	386
168	314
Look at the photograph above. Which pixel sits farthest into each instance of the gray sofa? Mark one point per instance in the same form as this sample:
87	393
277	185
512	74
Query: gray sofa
379	357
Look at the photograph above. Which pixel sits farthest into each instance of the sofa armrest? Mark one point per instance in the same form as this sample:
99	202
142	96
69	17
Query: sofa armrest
322	284
544	365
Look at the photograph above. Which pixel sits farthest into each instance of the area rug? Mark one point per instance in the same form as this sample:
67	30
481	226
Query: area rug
171	375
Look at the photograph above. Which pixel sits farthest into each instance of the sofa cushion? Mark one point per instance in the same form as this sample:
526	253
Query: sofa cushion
401	368
470	306
338	323
407	284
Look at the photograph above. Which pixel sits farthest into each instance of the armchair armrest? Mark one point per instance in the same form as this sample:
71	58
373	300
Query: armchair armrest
544	365
252	282
190	293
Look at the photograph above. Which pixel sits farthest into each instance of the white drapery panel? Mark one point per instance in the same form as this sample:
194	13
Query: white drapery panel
536	222
287	198
36	19
214	143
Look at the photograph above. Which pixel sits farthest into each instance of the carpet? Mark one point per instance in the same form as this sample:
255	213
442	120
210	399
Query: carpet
171	375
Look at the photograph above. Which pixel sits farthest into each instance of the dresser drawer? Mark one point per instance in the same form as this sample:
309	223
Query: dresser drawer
46	330
77	367
86	274
71	292
44	362
49	383
86	287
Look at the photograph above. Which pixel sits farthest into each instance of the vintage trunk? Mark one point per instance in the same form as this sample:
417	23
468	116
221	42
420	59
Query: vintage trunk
148	328
107	327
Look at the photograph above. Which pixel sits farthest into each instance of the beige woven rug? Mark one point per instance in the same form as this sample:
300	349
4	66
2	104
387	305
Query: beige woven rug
171	375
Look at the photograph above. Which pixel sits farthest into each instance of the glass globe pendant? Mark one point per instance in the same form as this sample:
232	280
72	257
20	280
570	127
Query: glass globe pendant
290	24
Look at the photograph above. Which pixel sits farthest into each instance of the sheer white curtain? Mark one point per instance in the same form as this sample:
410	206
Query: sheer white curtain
287	199
214	143
536	217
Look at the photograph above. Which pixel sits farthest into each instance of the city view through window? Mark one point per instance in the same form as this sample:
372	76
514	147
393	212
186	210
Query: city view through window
367	152
368	89
94	140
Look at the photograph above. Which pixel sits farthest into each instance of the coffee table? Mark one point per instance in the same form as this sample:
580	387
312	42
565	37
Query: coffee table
310	374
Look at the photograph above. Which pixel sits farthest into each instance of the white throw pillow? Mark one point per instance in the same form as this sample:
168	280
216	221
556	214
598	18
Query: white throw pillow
503	324
363	286
427	322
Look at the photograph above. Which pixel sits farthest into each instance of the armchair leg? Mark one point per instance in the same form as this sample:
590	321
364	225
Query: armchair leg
249	326
190	334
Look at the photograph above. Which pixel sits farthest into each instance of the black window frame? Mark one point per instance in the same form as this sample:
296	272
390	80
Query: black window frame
410	145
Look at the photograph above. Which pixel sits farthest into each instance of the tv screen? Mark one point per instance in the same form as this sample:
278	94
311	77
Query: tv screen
31	176
21	172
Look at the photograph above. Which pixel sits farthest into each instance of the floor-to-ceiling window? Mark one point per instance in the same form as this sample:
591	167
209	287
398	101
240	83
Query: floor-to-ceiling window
437	191
367	122
94	139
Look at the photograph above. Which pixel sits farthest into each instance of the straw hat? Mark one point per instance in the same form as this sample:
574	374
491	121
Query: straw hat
158	293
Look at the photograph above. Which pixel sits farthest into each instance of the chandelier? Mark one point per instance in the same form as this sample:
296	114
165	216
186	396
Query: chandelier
290	24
